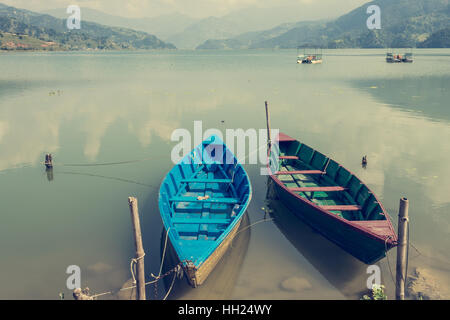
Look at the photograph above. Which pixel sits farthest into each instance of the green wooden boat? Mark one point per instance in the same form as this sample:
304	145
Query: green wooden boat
331	199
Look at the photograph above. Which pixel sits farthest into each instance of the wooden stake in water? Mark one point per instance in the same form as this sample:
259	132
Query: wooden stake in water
402	248
140	275
48	161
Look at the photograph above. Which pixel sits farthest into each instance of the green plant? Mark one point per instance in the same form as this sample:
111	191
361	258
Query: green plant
377	293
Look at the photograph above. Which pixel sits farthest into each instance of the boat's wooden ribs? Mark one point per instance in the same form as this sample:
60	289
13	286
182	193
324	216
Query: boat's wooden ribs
341	208
299	172
322	189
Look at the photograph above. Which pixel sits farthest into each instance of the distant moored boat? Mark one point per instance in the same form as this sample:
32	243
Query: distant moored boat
309	57
392	57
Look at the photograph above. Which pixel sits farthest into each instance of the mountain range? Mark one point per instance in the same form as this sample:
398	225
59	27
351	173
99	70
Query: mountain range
240	22
26	30
162	26
187	32
404	23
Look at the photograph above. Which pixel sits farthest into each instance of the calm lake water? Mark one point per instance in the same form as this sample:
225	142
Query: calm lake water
89	109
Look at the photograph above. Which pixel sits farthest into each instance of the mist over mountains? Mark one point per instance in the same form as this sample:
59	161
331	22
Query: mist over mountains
404	23
187	32
162	26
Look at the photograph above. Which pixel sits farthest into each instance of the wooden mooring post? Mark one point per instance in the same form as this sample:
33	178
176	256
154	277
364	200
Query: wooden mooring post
139	259
402	248
48	161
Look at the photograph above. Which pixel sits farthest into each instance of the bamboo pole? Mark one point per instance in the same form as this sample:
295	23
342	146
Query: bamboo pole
269	140
402	248
140	275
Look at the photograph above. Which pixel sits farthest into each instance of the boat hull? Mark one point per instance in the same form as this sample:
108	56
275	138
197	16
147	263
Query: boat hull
309	62
362	245
202	201
196	277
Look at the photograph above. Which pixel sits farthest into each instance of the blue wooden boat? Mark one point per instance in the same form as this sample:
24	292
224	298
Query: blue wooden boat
202	201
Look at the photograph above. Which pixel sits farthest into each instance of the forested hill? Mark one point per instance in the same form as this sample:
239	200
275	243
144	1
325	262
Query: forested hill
26	30
439	39
404	23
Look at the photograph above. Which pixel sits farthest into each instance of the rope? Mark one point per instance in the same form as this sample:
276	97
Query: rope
260	221
156	279
254	151
387	258
164	253
133	263
101	164
171	286
247	227
175	270
107	177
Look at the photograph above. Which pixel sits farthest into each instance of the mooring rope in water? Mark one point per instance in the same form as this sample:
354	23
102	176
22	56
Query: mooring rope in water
171	286
175	270
161	264
164	253
257	222
251	153
387	257
102	163
419	253
107	177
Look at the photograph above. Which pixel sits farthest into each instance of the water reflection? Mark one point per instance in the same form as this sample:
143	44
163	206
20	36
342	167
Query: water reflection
49	172
425	96
221	282
343	271
115	107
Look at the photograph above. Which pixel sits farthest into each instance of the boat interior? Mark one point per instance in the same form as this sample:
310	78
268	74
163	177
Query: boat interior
203	195
319	179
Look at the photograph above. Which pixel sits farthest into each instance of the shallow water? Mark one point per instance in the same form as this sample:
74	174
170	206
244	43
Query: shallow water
102	108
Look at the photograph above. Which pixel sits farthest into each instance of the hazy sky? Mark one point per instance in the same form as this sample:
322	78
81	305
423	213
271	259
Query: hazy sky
195	8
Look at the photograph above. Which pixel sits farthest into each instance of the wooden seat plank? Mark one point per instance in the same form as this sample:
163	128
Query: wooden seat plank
314	189
278	173
342	208
206	180
210	200
200	221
